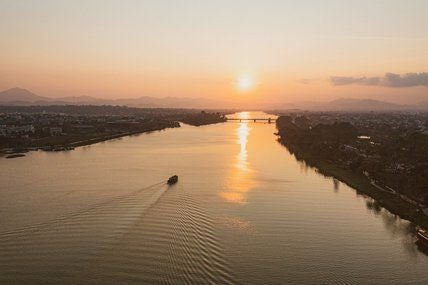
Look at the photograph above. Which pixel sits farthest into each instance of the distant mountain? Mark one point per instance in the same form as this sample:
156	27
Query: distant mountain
352	104
23	97
144	102
363	104
20	95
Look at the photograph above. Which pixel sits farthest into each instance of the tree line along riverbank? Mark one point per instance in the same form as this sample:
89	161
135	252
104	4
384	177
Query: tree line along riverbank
334	150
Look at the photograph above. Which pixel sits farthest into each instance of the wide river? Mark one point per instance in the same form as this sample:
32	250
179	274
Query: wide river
244	211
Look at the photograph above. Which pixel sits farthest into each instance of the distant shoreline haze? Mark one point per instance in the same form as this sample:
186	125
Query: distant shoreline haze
23	97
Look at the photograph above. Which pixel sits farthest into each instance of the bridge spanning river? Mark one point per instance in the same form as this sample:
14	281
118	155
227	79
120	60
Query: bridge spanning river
268	120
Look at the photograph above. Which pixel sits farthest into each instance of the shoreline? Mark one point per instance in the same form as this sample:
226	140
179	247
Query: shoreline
90	141
72	145
361	184
112	137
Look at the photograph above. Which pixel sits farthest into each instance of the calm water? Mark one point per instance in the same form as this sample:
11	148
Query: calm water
243	212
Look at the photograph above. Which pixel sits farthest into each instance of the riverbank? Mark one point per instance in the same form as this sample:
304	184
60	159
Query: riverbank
59	127
78	135
111	137
69	142
393	203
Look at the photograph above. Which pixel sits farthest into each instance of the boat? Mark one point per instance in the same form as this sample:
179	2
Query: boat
172	180
422	235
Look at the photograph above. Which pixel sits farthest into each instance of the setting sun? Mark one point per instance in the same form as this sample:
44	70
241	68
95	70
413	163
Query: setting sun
244	83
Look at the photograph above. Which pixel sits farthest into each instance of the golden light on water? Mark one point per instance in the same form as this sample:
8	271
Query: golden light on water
244	115
240	178
243	132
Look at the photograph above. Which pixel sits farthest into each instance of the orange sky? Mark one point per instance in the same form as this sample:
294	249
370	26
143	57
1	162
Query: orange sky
289	49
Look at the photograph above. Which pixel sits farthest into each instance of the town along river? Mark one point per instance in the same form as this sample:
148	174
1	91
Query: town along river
244	211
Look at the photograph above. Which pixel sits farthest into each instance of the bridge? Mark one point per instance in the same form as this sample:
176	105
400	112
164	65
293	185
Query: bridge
268	120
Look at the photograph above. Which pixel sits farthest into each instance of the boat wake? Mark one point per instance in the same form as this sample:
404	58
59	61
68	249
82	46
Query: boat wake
149	236
33	228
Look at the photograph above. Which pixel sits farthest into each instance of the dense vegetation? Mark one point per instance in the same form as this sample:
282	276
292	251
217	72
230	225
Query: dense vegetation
395	160
203	118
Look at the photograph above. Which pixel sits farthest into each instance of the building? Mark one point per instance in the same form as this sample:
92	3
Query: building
55	131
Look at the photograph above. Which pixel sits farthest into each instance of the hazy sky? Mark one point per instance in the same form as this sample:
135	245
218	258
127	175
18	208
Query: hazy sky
288	50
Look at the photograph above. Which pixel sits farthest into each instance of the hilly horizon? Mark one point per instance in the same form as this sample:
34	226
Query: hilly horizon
353	104
23	97
20	96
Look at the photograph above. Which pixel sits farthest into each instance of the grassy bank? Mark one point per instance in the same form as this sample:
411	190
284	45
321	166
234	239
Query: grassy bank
361	183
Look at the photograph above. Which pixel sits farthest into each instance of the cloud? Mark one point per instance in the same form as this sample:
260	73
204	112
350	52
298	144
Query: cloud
389	80
406	80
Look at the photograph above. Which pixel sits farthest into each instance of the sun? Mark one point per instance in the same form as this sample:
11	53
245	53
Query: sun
244	83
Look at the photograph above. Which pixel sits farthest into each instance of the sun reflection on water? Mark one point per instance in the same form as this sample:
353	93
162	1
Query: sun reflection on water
240	180
243	132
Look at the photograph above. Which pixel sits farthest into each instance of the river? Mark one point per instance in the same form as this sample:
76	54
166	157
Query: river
244	211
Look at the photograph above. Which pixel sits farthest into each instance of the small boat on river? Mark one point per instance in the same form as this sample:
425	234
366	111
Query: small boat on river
172	180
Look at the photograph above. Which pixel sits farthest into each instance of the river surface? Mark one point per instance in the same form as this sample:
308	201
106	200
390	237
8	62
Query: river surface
244	211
